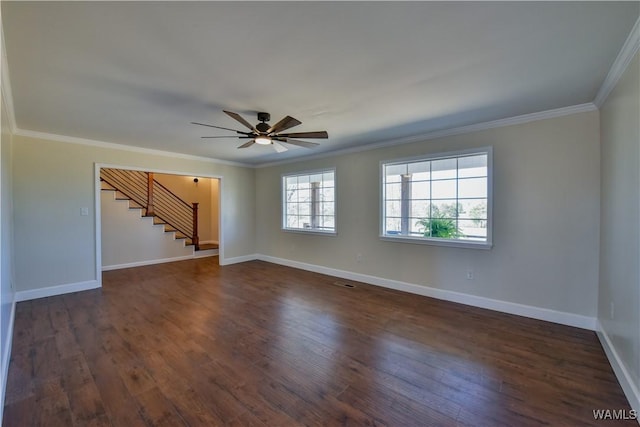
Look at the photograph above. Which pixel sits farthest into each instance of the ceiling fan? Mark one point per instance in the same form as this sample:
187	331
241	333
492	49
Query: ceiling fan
265	134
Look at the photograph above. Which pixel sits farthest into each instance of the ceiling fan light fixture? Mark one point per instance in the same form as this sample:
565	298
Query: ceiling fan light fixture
263	140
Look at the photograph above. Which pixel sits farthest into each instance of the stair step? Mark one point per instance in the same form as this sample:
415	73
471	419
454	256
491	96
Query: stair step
208	246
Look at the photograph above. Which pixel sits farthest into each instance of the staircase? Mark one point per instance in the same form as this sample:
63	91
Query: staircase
154	200
169	230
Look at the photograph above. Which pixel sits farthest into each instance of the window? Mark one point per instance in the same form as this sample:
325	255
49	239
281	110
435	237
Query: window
309	202
441	199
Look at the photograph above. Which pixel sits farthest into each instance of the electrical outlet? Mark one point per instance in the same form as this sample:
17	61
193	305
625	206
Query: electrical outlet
469	274
84	211
359	258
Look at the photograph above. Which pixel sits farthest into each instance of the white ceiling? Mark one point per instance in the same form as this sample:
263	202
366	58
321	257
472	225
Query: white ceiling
137	73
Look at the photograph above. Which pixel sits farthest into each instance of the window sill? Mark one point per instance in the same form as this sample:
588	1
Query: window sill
311	231
438	242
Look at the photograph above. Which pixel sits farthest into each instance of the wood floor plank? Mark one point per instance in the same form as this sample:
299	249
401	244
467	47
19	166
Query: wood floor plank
257	344
157	410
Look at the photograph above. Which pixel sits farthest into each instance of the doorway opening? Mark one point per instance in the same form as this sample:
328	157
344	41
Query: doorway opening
148	217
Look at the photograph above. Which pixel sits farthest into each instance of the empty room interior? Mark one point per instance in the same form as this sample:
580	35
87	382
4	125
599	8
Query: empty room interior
320	213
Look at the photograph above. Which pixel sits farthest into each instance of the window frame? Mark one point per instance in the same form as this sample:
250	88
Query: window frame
488	244
283	191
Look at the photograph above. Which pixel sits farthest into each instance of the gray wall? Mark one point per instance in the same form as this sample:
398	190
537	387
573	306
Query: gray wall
53	180
546	218
620	222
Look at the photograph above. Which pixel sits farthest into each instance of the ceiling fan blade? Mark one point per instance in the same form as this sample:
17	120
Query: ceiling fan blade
321	134
240	119
220	127
248	144
279	147
305	144
286	123
230	136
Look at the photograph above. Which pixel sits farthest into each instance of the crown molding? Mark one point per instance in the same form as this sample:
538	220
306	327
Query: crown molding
626	54
7	97
111	145
510	121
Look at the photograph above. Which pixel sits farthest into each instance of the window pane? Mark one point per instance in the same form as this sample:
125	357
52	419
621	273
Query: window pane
327	185
472	188
443	209
395	170
329	222
473	209
443	189
292	208
327	194
422	168
472	166
316	177
419	208
304	195
416	226
421	190
392	226
443	169
394	191
304	208
473	229
327	209
393	208
292	222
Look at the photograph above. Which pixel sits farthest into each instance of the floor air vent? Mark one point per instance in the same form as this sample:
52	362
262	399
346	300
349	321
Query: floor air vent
344	284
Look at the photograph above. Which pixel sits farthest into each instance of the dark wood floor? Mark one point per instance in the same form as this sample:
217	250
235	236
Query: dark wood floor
257	344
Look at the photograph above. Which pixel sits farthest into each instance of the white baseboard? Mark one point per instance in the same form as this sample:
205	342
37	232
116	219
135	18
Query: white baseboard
206	254
56	290
539	313
142	263
627	383
6	355
238	259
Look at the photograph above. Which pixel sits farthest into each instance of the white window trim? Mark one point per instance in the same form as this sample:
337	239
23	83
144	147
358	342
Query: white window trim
434	240
335	203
